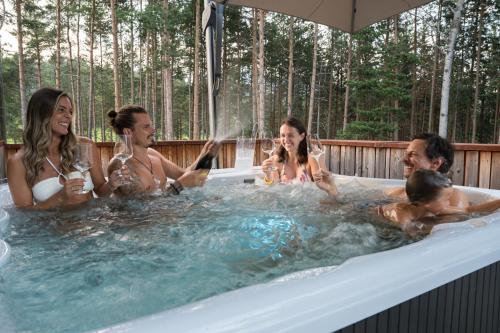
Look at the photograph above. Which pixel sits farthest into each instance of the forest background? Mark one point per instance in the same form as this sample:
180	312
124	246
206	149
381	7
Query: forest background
382	83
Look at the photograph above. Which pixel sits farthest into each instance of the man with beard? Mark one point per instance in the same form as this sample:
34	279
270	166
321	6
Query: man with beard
148	168
430	152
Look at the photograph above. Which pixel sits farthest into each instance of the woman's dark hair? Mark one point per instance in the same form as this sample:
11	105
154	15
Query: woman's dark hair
425	185
124	118
302	150
437	146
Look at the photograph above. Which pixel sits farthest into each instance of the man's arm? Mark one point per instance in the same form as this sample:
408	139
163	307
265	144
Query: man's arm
484	207
171	169
125	189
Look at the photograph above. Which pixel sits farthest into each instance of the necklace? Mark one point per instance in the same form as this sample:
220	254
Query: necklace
150	168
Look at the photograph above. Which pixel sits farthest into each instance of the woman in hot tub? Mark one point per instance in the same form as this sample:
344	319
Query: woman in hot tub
291	162
40	174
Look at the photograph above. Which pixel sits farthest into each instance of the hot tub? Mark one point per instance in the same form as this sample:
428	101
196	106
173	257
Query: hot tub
448	281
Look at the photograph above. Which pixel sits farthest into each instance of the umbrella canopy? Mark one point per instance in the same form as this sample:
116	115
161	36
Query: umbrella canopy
347	15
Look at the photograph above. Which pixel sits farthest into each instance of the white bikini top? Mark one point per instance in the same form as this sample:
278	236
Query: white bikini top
46	188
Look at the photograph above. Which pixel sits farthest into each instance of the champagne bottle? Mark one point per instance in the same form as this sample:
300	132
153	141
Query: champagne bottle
205	162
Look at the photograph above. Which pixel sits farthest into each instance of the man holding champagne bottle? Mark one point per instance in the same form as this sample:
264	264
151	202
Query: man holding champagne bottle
149	169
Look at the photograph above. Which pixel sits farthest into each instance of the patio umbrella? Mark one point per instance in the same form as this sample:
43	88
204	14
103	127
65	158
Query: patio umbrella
347	15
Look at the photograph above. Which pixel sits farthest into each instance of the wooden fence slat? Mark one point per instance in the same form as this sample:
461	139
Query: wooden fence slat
328	153
380	162
484	169
458	167
368	162
335	159
495	171
358	167
350	161
387	163
396	167
343	168
471	168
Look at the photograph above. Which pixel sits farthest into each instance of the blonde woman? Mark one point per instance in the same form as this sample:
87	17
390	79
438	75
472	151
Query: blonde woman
40	175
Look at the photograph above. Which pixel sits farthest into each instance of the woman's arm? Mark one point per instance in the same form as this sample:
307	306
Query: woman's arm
22	194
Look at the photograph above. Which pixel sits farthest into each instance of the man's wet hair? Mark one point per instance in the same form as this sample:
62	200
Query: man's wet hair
425	185
437	146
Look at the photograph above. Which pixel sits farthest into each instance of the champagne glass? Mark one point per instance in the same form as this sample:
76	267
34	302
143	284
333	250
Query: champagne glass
123	150
268	146
83	160
314	147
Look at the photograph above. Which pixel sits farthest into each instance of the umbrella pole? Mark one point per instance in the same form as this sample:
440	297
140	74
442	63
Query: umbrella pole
212	25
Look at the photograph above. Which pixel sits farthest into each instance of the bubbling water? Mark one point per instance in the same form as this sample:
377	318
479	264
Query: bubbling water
115	260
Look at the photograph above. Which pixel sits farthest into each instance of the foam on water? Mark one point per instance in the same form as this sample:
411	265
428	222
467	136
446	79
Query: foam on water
113	261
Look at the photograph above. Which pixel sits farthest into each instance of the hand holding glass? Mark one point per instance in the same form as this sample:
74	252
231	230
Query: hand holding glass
83	159
123	149
268	146
314	147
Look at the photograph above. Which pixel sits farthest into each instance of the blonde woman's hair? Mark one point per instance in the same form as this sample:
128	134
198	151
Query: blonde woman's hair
37	135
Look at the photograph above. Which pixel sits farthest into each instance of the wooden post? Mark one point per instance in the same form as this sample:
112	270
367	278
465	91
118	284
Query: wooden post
3	161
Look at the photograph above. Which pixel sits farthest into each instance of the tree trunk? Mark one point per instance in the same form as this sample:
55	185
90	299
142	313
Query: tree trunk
478	73
78	76
153	79
222	126
3	114
91	113
58	44
238	81
430	127
167	79
101	86
445	91
414	80
38	66
132	52
196	79
290	67
116	75
396	70
255	74
313	79
330	91
347	88
496	133
262	81
20	50
70	56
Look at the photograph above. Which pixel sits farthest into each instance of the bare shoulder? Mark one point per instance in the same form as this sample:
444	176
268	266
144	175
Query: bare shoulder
396	192
15	166
155	153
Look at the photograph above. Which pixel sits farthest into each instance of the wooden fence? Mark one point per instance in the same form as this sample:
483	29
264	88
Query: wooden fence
476	165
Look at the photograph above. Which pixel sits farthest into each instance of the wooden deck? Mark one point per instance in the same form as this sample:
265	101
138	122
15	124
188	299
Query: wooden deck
476	165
